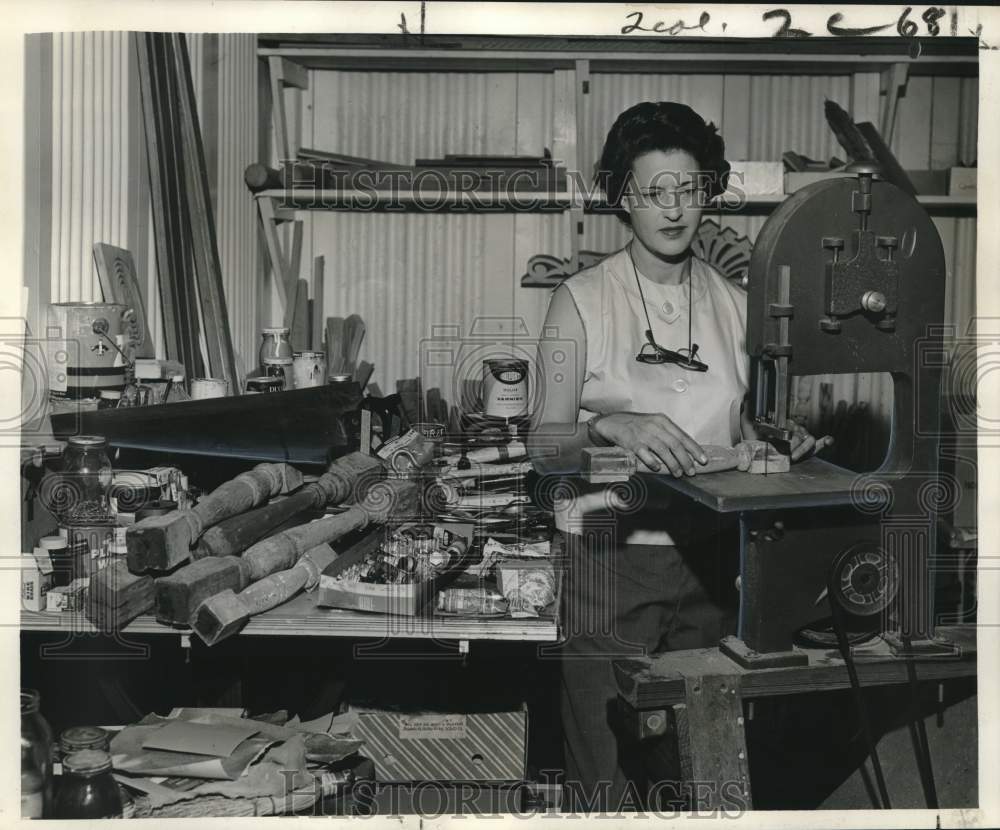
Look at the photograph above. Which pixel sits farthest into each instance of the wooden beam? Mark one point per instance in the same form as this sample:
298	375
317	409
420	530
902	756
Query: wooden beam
294	74
712	742
279	268
317	304
658	682
893	86
278	114
201	220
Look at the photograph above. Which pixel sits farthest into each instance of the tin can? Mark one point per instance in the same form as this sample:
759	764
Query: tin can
264	385
505	388
308	369
204	388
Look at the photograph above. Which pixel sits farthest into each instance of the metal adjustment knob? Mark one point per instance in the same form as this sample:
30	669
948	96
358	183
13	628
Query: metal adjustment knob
834	242
873	301
864	168
890	243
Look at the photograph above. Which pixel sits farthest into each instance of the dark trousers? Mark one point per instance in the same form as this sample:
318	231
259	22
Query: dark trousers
622	601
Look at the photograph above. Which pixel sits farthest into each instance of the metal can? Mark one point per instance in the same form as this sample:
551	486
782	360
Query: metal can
309	369
505	388
203	388
265	385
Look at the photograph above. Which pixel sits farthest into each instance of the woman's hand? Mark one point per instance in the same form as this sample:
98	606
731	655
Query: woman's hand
804	445
656	440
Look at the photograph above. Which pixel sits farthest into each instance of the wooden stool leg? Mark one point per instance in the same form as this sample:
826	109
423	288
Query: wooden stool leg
712	743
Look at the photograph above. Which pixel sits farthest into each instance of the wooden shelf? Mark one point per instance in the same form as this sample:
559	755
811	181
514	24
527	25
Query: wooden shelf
841	56
300	617
362	201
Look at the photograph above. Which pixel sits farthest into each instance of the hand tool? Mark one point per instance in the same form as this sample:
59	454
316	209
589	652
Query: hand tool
223	612
163	542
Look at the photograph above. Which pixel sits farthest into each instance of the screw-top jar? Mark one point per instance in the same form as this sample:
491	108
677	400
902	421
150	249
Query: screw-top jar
78	738
86	478
36	758
87	788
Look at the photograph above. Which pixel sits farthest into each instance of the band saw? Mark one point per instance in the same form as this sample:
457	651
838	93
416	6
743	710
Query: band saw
847	276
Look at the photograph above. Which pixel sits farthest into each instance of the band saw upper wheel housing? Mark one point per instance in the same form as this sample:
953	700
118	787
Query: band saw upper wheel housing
794	235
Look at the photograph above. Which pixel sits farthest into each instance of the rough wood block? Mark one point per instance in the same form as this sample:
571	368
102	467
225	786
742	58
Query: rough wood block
179	594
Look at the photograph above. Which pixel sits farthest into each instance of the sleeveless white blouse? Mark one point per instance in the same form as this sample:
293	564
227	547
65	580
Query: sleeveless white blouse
706	405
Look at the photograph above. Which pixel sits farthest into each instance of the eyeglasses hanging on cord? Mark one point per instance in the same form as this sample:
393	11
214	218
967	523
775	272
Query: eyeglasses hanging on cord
685	358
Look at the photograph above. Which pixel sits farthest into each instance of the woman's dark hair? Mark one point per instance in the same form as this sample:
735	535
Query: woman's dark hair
665	126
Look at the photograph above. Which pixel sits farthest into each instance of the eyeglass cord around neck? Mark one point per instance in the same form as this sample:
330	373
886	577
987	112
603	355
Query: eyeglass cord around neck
691	350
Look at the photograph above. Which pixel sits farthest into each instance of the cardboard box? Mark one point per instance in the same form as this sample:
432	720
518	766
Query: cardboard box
432	799
36	579
436	746
72	597
929	182
756	178
796	181
962	181
407	599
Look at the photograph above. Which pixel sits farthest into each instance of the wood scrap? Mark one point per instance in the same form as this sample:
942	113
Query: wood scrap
334	345
354	335
863	143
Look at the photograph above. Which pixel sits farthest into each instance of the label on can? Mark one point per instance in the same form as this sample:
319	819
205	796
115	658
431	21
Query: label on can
505	388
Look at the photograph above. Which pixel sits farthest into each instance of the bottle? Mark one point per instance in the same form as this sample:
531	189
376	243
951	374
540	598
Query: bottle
87	475
36	758
87	788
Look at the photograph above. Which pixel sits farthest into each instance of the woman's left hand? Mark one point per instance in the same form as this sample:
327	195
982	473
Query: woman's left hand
804	445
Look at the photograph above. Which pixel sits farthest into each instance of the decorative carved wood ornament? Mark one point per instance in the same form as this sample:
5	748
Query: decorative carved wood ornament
723	248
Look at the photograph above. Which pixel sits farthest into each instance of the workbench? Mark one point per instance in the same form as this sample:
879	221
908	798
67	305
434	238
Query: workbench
300	617
696	698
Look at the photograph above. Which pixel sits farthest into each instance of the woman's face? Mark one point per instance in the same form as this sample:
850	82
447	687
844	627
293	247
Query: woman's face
664	201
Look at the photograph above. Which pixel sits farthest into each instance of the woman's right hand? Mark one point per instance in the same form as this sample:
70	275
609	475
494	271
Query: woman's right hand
656	440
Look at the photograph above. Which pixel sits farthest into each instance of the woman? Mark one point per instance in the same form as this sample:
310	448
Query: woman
641	578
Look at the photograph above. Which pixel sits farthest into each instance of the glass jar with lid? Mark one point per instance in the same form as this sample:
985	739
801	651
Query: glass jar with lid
78	738
87	788
85	480
36	758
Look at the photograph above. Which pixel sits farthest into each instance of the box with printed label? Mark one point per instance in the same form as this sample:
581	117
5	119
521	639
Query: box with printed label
443	746
36	579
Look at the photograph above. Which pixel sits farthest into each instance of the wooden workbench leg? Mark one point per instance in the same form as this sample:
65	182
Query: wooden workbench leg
712	743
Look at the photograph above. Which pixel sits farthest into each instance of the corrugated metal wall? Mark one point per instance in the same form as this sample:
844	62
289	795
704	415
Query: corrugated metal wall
236	140
407	274
92	166
99	178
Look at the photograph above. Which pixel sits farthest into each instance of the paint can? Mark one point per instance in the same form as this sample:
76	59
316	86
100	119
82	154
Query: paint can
203	388
264	385
309	369
505	388
82	345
